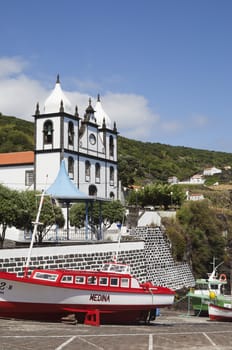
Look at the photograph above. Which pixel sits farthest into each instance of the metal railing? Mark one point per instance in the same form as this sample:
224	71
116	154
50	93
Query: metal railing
73	234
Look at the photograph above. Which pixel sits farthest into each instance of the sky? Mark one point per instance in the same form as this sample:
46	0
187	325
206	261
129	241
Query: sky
163	68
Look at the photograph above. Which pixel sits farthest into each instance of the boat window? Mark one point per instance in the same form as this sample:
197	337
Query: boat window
103	281
125	282
67	279
80	279
214	286
114	281
92	280
201	286
46	276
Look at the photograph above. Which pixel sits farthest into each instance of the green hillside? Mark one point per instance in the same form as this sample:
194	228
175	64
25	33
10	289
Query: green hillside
139	162
16	134
145	162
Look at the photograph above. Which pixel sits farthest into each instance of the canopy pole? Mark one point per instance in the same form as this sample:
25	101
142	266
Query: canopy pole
67	205
100	221
86	220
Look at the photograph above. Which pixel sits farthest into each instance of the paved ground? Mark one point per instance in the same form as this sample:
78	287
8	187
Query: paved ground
171	330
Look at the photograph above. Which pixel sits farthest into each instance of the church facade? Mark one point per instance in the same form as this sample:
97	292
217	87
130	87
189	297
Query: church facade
87	144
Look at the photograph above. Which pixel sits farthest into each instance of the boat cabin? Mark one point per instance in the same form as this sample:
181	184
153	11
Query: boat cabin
112	275
204	286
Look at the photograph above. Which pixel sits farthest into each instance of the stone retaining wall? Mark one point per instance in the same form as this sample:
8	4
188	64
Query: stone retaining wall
149	257
161	268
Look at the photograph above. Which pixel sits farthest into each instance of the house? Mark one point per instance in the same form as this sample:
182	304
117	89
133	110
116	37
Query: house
197	179
17	170
194	196
173	180
211	171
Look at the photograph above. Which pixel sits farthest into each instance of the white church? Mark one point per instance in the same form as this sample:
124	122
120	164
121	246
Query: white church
88	146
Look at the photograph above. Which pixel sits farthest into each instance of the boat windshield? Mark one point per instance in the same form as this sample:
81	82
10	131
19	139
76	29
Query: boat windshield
117	268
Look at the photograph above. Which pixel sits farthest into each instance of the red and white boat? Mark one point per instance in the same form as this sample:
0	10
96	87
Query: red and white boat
109	295
220	313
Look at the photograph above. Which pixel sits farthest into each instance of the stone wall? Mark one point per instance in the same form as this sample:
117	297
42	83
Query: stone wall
149	258
84	256
161	268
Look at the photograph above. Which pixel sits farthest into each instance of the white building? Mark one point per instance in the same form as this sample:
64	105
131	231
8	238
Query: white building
17	170
194	196
197	179
211	171
88	145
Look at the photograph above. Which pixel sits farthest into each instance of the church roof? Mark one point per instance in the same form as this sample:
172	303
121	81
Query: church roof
64	188
56	100
101	115
20	158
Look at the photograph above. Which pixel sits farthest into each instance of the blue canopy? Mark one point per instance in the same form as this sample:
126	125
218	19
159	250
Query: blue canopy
64	189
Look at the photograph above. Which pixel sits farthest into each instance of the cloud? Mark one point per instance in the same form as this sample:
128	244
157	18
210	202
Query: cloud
132	114
199	120
11	65
134	118
19	95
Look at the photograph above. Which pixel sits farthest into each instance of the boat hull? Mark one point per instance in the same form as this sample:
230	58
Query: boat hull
200	305
220	313
25	298
200	302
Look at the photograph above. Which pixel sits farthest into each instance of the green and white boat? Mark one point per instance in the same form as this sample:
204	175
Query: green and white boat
209	290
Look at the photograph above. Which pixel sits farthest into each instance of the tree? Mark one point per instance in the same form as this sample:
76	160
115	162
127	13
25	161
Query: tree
110	212
8	210
157	194
203	234
51	213
176	236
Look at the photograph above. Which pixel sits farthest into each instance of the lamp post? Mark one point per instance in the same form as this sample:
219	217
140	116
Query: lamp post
171	193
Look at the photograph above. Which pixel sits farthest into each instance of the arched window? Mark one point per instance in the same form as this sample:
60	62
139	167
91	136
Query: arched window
70	133
71	167
111	146
48	132
92	190
112	195
97	173
111	176
87	171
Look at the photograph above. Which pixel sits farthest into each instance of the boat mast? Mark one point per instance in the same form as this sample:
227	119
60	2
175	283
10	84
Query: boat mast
213	273
36	223
119	241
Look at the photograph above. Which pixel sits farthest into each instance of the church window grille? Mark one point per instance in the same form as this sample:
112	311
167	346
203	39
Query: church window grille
48	132
111	176
111	146
71	167
70	133
29	177
97	173
87	171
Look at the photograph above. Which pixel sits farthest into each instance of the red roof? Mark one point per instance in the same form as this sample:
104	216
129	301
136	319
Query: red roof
17	158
